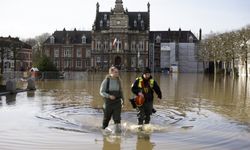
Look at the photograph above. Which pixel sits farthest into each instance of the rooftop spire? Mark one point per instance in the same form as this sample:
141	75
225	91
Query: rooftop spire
118	6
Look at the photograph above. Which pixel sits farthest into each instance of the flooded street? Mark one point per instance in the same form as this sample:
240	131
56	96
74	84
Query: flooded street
196	112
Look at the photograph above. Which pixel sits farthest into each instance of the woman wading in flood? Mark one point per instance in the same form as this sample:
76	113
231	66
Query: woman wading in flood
111	91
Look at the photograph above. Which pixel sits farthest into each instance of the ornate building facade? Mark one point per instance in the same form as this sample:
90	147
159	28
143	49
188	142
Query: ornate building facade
123	39
120	38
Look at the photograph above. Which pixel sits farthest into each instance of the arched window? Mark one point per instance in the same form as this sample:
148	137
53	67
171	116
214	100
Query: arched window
190	39
158	39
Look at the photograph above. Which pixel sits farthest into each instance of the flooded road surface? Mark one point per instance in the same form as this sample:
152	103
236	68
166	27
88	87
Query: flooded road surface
196	112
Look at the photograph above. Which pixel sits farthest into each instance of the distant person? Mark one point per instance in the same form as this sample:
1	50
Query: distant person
111	91
144	88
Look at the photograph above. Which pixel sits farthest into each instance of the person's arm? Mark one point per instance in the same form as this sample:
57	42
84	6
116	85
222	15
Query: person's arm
103	89
135	89
157	90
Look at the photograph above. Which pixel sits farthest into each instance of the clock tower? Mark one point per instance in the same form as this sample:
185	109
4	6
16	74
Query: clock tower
120	38
118	18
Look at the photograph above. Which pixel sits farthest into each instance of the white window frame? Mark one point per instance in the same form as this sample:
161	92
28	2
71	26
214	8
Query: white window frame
56	63
78	64
141	46
79	52
56	52
105	16
101	23
88	53
67	52
139	16
84	39
67	64
133	46
98	45
52	40
135	23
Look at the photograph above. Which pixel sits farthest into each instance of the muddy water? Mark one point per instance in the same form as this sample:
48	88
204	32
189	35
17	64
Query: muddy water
196	112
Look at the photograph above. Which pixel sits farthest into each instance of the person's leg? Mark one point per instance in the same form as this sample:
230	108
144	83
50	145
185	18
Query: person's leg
107	116
147	118
140	115
117	117
148	112
117	113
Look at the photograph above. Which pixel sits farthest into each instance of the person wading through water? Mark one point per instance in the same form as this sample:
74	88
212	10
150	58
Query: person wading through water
144	88
111	91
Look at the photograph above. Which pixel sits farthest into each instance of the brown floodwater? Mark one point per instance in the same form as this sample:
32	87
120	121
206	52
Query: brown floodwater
196	112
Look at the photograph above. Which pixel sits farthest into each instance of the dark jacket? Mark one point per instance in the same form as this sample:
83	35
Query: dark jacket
147	87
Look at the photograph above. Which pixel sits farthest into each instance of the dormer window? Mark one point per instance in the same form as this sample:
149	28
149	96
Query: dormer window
190	39
139	16
83	39
108	23
105	17
135	23
52	40
101	23
158	39
142	24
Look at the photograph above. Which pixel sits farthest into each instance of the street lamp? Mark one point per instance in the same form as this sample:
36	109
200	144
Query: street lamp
138	59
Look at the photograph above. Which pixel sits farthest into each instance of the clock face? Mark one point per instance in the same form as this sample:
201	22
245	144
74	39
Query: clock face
118	22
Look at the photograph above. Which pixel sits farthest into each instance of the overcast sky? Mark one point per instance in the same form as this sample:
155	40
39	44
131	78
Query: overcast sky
29	18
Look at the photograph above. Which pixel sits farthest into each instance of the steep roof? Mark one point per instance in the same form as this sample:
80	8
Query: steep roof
172	36
99	17
74	37
7	41
133	16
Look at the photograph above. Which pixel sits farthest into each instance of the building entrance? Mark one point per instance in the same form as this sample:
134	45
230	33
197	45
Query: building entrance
118	62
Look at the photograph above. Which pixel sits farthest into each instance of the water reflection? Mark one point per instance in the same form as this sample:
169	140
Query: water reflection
31	93
111	143
143	142
196	111
11	99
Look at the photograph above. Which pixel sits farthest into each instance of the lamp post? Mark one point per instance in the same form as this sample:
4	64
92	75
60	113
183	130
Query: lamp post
138	59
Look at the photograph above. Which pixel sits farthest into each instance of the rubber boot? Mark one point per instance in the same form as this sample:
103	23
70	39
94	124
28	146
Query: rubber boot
118	128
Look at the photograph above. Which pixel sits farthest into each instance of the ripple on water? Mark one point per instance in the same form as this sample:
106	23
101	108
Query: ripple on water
199	128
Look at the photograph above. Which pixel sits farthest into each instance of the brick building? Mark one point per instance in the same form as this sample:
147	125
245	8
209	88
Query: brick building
15	55
69	50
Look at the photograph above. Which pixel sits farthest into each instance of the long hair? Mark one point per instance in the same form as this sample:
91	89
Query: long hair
111	69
